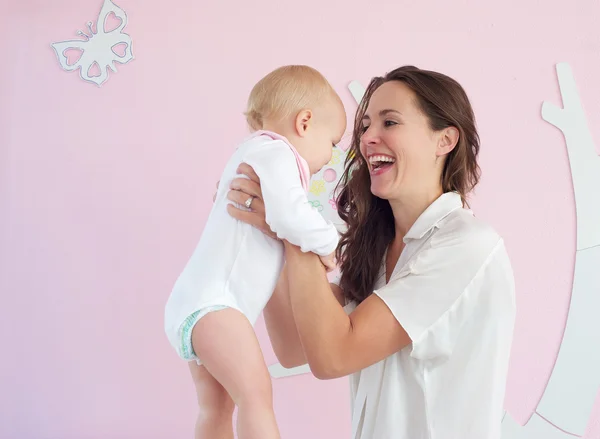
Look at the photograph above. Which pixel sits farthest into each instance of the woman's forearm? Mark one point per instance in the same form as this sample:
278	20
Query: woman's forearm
321	322
281	326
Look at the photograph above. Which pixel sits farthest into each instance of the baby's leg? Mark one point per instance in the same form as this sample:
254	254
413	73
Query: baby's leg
227	346
215	404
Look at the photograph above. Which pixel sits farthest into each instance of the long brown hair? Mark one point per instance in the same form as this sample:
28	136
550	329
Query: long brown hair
369	219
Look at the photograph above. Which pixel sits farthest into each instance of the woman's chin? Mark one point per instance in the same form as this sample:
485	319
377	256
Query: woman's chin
379	191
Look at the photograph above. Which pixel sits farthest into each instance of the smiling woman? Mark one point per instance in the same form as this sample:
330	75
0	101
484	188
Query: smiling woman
422	317
414	135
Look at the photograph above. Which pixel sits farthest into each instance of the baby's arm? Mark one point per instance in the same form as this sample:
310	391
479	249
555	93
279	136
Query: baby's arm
287	209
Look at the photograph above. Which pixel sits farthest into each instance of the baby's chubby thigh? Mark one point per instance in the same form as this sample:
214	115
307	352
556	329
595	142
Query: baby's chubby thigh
255	272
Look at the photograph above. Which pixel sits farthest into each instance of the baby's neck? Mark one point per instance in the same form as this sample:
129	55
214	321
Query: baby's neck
285	131
278	128
289	133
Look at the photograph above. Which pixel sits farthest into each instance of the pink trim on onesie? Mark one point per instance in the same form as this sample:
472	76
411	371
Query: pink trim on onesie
303	168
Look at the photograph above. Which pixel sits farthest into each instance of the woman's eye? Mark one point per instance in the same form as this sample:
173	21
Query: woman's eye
389	123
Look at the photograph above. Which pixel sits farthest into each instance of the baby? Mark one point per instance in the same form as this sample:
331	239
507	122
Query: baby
297	118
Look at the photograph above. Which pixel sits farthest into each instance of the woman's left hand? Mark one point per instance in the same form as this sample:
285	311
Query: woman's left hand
241	189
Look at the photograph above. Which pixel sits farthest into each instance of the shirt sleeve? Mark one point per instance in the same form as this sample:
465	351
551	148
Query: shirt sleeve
288	211
435	294
334	279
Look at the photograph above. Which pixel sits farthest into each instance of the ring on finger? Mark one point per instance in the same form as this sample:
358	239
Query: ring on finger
248	202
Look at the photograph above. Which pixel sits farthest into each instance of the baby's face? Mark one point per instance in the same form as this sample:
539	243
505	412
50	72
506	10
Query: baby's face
327	130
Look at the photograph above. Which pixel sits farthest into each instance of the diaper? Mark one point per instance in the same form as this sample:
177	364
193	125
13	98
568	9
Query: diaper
184	335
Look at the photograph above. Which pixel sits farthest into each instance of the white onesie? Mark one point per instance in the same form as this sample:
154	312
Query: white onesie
234	264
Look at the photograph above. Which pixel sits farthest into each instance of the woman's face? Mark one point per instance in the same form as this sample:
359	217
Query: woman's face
398	145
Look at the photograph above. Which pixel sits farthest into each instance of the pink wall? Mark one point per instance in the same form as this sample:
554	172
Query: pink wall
104	191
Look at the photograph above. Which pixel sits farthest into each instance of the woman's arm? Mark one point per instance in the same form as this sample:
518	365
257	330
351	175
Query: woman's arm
334	343
305	319
279	319
281	324
282	327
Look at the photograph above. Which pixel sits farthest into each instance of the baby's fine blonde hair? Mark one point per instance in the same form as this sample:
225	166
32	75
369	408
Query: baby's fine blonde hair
284	92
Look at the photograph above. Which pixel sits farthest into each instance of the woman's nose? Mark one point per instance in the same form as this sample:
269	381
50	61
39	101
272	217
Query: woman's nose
370	136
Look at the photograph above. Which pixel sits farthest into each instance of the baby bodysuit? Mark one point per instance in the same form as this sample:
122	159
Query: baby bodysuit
234	264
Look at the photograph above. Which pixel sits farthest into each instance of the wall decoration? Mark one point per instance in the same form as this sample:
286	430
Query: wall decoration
357	90
98	49
568	399
322	193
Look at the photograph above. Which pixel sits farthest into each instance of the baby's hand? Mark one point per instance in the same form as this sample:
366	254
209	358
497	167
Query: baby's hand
329	262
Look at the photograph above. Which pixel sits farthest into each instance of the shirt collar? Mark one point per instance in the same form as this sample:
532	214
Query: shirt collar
437	211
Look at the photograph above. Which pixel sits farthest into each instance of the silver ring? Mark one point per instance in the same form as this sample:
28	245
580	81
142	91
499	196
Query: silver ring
248	202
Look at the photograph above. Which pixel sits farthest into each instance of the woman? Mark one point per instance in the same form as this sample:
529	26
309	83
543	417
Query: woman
422	316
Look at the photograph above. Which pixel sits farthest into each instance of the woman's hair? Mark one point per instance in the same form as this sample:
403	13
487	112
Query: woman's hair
369	219
284	92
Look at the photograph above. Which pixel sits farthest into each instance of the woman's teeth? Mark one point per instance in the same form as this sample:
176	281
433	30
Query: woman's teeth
377	161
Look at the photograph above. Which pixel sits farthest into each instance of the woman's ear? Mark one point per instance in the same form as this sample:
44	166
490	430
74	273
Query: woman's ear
448	140
303	121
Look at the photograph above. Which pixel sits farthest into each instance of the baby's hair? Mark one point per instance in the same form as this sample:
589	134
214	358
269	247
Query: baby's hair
284	92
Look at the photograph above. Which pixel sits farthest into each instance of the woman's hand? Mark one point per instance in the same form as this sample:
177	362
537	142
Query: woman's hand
241	190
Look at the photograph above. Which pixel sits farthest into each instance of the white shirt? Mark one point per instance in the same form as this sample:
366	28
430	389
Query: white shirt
453	292
235	264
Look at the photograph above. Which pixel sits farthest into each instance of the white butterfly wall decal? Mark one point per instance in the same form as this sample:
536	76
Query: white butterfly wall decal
98	47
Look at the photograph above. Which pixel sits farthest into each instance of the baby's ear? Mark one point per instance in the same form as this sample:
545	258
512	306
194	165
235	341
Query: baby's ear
303	120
